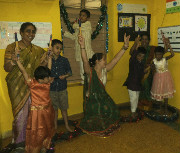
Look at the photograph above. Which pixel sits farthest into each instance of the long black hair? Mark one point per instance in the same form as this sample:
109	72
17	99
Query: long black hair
42	72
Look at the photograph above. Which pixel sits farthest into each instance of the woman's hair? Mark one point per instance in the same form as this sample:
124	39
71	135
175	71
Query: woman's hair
159	49
96	56
147	35
86	11
42	72
56	41
25	25
141	50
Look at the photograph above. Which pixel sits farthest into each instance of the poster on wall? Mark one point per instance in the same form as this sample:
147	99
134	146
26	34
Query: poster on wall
131	8
140	23
133	24
7	30
125	21
173	33
172	6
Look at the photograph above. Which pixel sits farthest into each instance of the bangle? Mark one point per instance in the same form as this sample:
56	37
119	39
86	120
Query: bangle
12	63
125	48
82	48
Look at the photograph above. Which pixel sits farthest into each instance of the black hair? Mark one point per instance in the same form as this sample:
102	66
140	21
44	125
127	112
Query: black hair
56	41
159	49
145	34
25	25
42	72
96	56
86	11
141	50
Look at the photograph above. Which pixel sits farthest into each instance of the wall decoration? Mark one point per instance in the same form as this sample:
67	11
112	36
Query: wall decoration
133	24
125	21
7	30
173	33
140	23
172	6
131	8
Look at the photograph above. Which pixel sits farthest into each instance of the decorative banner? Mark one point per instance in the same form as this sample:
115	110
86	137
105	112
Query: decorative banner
140	23
125	21
131	8
172	6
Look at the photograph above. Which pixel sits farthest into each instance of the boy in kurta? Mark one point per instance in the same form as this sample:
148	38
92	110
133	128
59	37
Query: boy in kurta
86	33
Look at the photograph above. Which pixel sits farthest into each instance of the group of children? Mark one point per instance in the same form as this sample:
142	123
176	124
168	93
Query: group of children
50	83
162	85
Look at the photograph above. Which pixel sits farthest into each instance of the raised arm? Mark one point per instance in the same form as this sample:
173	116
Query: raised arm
21	67
169	47
135	45
118	56
84	55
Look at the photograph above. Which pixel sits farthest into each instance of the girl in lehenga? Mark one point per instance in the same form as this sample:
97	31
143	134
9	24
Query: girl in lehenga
162	86
101	115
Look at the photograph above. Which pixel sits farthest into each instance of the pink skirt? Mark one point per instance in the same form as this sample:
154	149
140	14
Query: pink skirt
162	86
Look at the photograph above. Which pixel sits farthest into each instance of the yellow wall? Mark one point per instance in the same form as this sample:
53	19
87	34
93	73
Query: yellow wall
48	11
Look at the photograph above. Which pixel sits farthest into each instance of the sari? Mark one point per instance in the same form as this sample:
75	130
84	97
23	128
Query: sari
101	115
18	91
145	95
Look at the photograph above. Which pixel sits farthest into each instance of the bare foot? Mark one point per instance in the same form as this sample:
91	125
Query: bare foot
69	129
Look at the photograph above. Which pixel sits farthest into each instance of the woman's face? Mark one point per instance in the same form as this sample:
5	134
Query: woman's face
145	41
102	62
28	34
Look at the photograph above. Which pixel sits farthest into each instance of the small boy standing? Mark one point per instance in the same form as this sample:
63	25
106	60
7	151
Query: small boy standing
86	33
136	73
60	70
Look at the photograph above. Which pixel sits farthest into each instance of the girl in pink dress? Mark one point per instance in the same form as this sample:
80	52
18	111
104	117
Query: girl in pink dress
162	86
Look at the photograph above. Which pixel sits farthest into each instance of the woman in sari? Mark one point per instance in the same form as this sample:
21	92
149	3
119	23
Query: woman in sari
101	115
19	93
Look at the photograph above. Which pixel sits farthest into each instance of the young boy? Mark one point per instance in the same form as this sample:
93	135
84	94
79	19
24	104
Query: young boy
60	70
133	81
86	33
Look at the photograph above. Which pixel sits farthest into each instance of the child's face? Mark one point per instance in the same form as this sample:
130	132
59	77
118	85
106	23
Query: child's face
158	56
83	17
140	57
56	49
44	81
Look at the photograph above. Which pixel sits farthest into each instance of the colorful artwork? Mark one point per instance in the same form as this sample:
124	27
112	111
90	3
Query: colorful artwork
125	21
172	6
140	23
7	30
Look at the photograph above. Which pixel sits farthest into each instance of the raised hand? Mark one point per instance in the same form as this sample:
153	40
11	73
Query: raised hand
126	41
81	41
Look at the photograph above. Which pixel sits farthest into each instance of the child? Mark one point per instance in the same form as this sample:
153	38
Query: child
86	33
162	86
133	81
60	71
40	124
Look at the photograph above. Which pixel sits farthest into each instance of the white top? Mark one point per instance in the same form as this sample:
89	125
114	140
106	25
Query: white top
161	66
86	33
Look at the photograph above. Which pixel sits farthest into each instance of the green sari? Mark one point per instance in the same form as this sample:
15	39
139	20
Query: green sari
145	94
101	115
18	90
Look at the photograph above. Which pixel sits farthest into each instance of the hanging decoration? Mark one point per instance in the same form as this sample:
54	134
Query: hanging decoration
107	34
101	20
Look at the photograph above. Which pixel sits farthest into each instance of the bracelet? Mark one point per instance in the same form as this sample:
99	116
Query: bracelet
82	48
124	48
12	63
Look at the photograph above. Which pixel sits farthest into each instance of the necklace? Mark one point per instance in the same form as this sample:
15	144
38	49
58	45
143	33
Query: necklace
26	46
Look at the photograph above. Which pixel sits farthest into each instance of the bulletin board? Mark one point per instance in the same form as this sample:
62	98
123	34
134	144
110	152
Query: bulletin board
133	24
7	30
173	33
